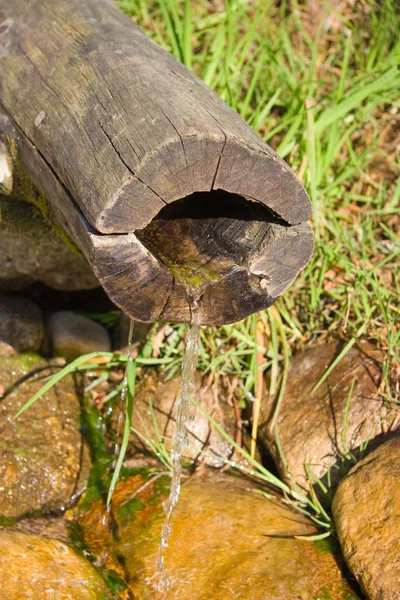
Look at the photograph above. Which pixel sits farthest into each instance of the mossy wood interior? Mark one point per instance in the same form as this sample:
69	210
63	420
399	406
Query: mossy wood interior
161	184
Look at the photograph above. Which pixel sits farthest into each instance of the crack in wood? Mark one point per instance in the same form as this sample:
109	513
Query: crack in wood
219	161
126	164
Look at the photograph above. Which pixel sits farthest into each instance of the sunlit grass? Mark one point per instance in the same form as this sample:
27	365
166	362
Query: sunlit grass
322	89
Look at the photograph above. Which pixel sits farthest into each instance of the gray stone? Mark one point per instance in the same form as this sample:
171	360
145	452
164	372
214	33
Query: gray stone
366	509
311	425
21	323
31	251
72	334
43	459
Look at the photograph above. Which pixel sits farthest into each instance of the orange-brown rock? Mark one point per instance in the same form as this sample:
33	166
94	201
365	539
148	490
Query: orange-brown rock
227	541
366	509
36	568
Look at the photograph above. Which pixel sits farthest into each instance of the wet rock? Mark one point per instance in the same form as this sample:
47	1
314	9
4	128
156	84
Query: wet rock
53	527
314	430
43	460
21	323
72	334
156	400
227	541
366	510
40	568
31	251
137	498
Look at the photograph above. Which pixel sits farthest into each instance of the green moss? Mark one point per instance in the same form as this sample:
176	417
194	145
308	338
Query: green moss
326	545
98	480
128	510
7	521
127	472
20	452
104	596
162	485
153	501
179	253
25	190
25	361
113	580
193	278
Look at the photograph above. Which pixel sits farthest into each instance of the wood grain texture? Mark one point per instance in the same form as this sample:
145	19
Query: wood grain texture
114	129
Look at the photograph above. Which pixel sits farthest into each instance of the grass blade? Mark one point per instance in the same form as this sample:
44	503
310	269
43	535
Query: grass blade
385	82
187	35
341	354
129	398
58	376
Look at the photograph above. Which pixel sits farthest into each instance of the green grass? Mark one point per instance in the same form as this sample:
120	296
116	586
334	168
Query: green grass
322	98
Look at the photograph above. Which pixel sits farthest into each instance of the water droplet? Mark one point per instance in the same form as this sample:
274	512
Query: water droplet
104	520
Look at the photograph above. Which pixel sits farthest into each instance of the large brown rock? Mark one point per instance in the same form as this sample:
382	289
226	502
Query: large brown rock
31	251
366	509
227	541
43	459
21	323
157	399
312	426
36	568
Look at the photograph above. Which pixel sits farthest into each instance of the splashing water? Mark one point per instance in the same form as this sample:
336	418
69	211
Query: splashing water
180	439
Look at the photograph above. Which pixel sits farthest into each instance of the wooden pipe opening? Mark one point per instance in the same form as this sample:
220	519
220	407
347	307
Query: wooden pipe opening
208	235
229	251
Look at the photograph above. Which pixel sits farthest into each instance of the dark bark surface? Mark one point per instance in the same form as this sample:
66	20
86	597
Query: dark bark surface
161	184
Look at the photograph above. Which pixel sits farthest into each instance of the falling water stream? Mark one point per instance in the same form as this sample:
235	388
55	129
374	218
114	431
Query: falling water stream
180	439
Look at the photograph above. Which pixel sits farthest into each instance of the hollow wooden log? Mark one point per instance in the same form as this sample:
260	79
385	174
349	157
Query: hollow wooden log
161	184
